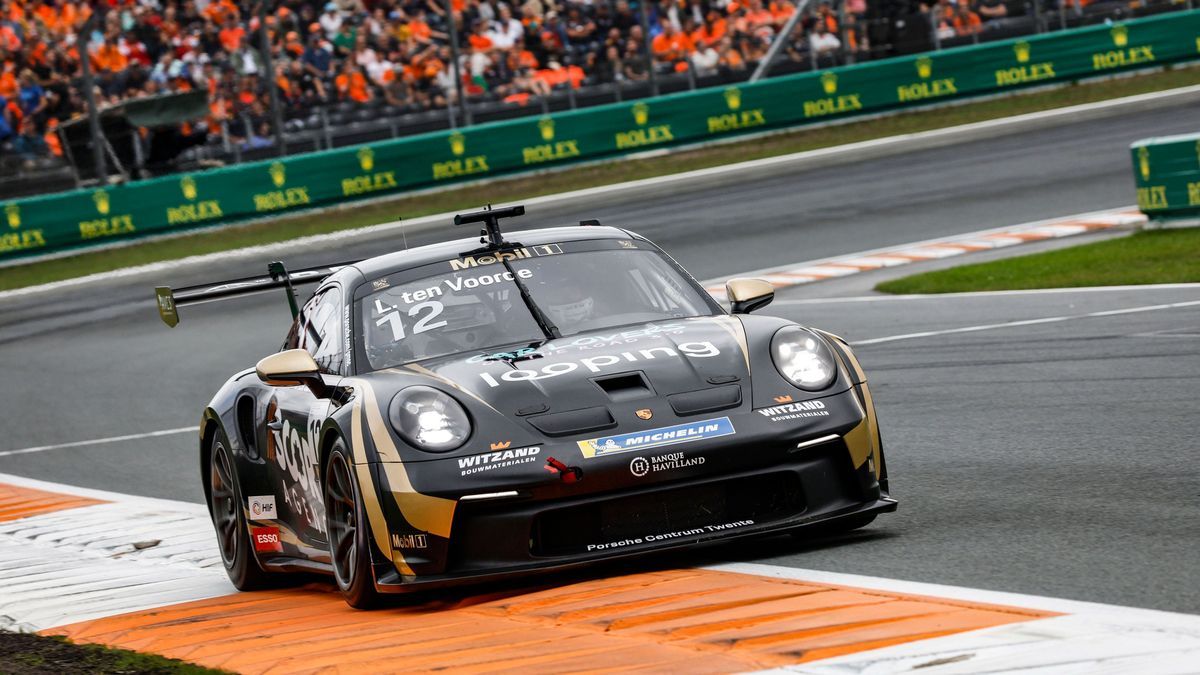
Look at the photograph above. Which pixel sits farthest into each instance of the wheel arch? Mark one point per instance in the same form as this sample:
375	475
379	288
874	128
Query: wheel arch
210	423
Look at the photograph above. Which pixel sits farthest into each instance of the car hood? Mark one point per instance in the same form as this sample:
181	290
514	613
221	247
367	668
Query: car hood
600	367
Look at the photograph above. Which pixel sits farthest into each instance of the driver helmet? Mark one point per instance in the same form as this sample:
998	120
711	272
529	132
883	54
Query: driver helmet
567	304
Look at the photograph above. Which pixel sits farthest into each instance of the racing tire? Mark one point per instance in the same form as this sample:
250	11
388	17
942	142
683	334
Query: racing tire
349	531
229	520
839	526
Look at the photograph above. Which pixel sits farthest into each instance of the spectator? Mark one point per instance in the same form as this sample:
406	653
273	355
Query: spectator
992	10
966	22
825	42
351	84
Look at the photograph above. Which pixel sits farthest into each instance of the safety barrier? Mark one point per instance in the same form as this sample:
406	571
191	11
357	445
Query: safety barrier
1167	173
88	217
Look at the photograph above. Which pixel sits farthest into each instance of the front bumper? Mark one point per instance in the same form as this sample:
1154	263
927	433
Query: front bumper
769	478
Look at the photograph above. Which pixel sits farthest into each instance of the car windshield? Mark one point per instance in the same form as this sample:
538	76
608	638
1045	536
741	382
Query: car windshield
477	305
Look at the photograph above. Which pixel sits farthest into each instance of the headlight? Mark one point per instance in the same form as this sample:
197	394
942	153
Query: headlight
803	358
429	419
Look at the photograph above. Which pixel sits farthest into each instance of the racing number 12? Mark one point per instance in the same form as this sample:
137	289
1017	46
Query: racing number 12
422	325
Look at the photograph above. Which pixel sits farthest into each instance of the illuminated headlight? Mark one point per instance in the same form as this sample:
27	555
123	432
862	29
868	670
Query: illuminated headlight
429	419
803	358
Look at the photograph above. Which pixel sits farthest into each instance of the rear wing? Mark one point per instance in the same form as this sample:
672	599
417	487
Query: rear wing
170	300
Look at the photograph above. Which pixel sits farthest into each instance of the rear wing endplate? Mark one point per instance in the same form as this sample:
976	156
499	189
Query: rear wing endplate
170	300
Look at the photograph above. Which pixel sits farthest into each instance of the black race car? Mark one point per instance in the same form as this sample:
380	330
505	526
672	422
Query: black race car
485	408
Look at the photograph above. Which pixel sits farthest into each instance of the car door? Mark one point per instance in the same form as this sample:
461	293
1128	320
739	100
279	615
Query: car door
294	416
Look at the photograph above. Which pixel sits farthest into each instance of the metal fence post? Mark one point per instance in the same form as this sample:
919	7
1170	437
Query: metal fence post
89	90
933	30
272	86
645	15
784	34
325	128
457	66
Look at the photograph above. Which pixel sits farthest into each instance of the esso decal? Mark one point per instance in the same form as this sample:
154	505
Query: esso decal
266	539
262	508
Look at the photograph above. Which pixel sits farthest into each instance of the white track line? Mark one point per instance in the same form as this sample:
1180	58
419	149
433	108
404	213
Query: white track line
98	441
921	139
1024	322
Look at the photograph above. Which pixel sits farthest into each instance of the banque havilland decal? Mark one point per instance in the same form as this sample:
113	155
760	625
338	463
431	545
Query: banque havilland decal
485	408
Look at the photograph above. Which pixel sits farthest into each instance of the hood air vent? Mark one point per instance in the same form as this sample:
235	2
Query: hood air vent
625	386
706	400
573	421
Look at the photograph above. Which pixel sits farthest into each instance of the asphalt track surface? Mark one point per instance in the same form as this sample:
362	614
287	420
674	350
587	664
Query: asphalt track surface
1056	459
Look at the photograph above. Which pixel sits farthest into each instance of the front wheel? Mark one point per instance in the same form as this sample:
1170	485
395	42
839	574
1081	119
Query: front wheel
349	541
229	520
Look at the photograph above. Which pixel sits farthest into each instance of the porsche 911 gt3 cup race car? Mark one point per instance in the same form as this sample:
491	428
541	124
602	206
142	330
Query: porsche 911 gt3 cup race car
460	412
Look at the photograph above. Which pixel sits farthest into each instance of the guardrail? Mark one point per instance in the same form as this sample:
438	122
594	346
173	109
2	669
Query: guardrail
1167	174
84	218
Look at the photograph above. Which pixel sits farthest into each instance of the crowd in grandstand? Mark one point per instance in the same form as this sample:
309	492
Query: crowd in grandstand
394	52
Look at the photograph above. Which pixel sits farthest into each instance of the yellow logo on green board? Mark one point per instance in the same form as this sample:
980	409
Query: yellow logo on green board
1120	35
1021	50
641	113
546	128
100	197
458	144
187	185
13	213
1143	154
366	159
829	83
733	98
278	173
924	67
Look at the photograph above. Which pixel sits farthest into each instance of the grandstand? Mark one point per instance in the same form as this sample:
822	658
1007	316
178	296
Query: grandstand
350	71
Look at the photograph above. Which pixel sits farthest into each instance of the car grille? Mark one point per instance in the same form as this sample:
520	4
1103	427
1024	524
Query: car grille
760	498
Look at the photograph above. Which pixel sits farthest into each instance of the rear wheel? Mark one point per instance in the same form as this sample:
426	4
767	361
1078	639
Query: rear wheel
233	539
349	541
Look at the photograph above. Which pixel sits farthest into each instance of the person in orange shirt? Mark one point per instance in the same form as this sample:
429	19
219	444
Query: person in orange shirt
671	45
8	80
757	16
966	22
108	58
351	84
231	35
730	57
710	33
781	11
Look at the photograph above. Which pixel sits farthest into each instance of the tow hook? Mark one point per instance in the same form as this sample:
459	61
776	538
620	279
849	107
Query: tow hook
568	474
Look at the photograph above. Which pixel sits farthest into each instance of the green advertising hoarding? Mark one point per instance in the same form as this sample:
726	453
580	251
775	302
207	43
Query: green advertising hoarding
1167	174
86	217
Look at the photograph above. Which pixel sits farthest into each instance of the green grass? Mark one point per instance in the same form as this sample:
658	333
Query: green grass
515	189
27	654
1147	257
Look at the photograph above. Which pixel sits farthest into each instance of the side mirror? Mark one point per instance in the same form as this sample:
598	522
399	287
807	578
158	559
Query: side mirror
747	295
290	369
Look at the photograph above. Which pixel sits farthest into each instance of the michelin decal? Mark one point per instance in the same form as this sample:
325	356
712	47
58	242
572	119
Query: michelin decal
657	438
